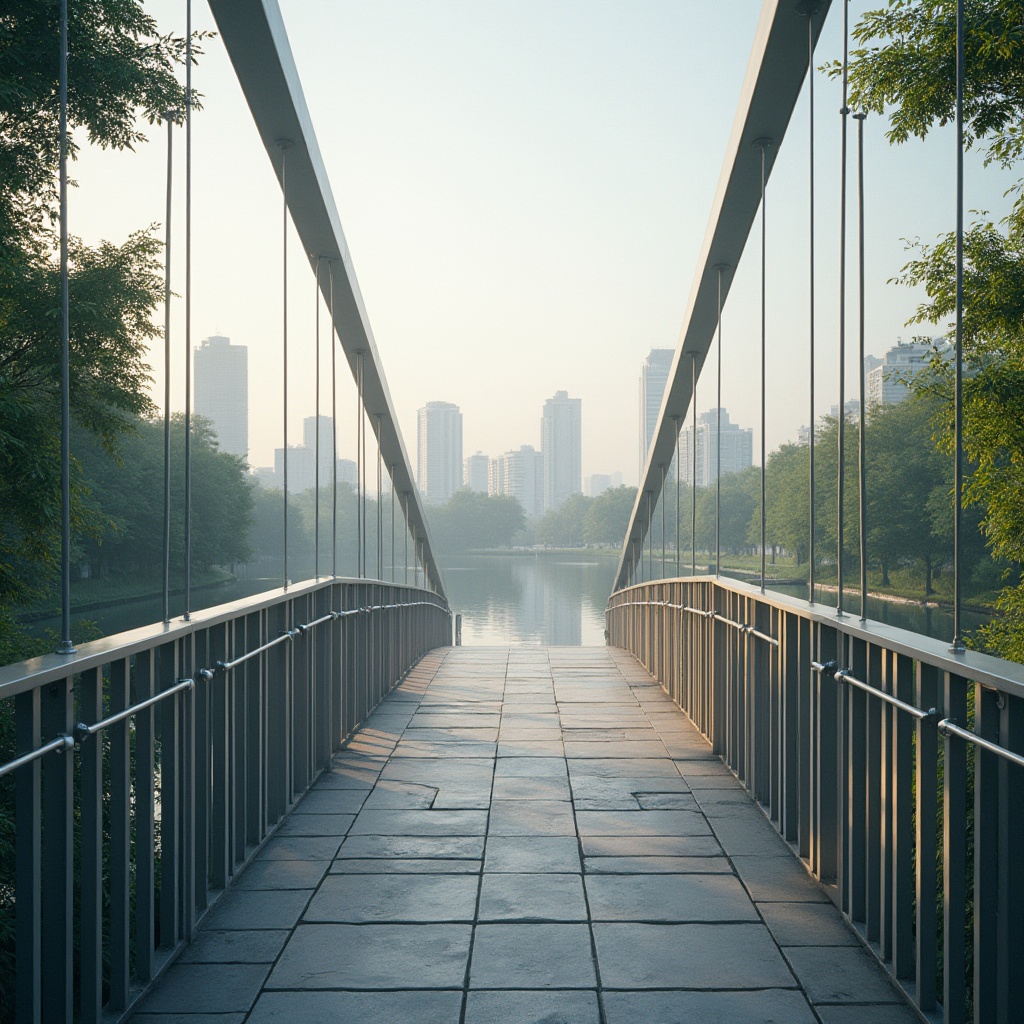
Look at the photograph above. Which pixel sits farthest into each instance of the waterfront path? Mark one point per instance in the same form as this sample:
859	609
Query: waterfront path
526	835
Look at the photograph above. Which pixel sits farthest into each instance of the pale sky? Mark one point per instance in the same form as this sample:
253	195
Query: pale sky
524	186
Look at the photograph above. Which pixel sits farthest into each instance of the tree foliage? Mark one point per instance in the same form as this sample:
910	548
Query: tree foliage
906	68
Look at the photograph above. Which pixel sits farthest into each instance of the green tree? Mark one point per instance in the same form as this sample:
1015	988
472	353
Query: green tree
607	517
121	68
562	527
906	68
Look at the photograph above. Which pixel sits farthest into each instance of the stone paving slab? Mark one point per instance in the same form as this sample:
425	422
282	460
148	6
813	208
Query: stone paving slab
526	836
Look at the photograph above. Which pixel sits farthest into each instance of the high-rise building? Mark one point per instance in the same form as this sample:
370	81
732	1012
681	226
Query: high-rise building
653	381
888	382
496	475
439	451
475	471
522	477
562	446
597	484
309	439
737	448
222	391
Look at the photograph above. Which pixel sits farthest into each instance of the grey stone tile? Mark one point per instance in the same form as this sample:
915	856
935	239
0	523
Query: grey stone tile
701	956
282	874
511	1007
187	1018
531	789
705	768
401	866
749	836
416	847
433	718
530	767
389	794
723	803
656	865
539	818
624	767
300	848
615	748
258	908
373	956
666	801
530	748
428	748
234	947
532	897
678	898
532	956
363	1007
466	732
347	777
773	1006
807	924
420	823
330	801
362	899
334	825
840	974
207	988
650	846
532	854
642	823
880	1013
778	879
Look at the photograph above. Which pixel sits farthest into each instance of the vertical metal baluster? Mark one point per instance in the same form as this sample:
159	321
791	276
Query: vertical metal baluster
679	474
393	574
120	838
841	454
28	861
167	378
862	496
65	646
957	645
405	518
90	951
187	613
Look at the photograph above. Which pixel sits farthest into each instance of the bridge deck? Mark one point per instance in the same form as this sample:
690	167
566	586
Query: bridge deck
526	834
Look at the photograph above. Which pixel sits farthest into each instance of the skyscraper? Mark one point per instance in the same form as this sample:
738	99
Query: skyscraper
475	472
222	391
522	477
737	448
439	451
653	381
561	446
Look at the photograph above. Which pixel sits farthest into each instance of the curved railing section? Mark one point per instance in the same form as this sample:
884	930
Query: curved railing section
894	768
152	765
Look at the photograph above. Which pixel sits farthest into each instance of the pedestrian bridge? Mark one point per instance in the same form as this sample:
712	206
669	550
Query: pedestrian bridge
307	806
525	834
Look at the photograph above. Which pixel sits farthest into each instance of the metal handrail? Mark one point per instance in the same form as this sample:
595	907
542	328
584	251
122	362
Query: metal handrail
67	741
709	614
949	728
62	742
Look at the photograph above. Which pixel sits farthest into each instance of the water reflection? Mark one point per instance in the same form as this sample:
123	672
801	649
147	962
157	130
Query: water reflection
531	598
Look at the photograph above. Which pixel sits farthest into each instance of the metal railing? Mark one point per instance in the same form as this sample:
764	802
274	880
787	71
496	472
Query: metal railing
151	767
892	766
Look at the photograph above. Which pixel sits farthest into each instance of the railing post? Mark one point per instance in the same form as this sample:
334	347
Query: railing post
954	852
57	857
91	851
926	696
28	860
1011	861
120	837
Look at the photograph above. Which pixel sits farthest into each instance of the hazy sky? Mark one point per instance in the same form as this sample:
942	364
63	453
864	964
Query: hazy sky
524	186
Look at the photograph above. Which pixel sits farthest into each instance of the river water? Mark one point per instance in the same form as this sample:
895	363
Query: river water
543	598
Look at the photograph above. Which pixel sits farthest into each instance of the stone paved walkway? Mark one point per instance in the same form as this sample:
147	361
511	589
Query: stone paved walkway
526	835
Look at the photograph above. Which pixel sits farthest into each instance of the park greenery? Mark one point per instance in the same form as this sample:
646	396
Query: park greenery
905	68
